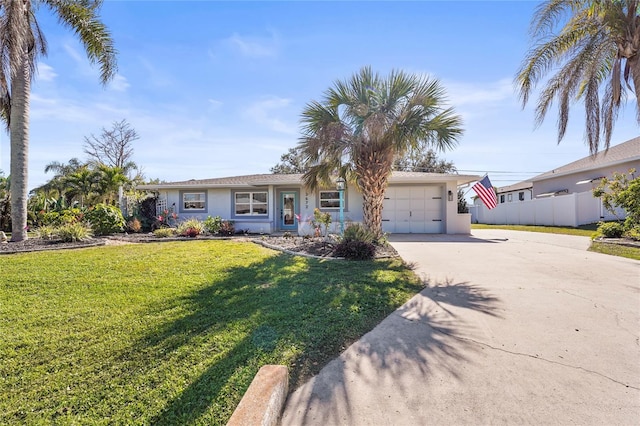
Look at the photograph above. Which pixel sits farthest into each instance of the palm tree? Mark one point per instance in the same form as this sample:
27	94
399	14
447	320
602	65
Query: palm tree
108	181
364	123
595	55
56	186
21	42
81	184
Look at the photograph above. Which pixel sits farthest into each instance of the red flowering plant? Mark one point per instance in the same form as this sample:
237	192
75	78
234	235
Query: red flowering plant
167	219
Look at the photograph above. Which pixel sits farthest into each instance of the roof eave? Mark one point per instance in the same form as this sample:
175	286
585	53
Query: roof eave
549	175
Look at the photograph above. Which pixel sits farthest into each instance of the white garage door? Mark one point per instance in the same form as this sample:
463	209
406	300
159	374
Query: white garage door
413	209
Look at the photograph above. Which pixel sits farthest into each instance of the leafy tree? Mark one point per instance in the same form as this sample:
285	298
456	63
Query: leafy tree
21	43
364	123
290	163
423	161
595	59
113	147
462	202
622	191
5	203
427	161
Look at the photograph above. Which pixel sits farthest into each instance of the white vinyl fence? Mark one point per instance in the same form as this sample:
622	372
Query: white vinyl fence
579	208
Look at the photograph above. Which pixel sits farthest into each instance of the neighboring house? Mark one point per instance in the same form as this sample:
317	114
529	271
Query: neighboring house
521	191
563	196
585	174
266	203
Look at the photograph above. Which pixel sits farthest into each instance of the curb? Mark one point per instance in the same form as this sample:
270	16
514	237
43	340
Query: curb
262	404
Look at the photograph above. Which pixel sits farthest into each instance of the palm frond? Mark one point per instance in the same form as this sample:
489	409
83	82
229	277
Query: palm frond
591	55
82	18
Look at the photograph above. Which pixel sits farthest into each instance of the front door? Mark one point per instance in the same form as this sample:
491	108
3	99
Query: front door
288	209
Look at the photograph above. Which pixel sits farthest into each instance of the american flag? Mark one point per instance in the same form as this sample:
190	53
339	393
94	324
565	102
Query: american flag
486	193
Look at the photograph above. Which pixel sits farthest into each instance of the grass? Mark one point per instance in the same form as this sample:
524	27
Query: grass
615	250
173	333
583	231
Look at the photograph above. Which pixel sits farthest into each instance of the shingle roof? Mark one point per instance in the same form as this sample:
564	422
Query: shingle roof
626	151
515	187
296	179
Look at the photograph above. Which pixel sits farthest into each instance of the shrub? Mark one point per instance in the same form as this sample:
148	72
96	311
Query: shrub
50	219
134	225
164	232
191	228
358	232
355	250
105	219
227	227
611	229
633	233
76	231
623	190
320	220
213	224
46	232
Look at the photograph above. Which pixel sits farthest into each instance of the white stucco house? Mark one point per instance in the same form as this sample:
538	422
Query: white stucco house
521	191
267	203
562	196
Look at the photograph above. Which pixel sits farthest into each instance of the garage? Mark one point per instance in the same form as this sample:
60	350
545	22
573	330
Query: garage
413	209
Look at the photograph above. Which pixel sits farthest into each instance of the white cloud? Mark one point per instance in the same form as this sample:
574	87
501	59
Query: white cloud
75	55
119	83
462	94
156	76
254	47
214	103
262	112
45	72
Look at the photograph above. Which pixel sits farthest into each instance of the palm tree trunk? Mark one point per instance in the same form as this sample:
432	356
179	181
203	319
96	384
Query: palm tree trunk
19	130
373	174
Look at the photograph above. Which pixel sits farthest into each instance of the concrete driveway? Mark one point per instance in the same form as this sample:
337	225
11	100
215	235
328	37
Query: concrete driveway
512	328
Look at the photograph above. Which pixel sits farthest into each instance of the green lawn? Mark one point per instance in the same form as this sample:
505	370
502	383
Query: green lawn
615	250
173	333
584	231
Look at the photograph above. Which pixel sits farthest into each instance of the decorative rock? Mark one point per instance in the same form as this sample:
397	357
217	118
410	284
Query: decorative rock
3	237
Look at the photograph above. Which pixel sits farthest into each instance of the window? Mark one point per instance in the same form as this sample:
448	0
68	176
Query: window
510	197
502	199
250	203
521	196
330	200
194	201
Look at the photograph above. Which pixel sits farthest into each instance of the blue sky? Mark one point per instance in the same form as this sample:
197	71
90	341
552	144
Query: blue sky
216	88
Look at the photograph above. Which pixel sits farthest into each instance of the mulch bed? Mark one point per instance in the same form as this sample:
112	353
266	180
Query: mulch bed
314	247
38	244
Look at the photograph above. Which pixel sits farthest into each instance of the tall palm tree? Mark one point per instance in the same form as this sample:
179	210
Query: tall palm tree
21	42
595	57
364	123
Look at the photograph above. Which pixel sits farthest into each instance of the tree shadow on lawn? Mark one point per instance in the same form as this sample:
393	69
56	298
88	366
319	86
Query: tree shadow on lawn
423	339
284	310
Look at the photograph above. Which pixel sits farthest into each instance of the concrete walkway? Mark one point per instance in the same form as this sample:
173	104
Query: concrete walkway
512	328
